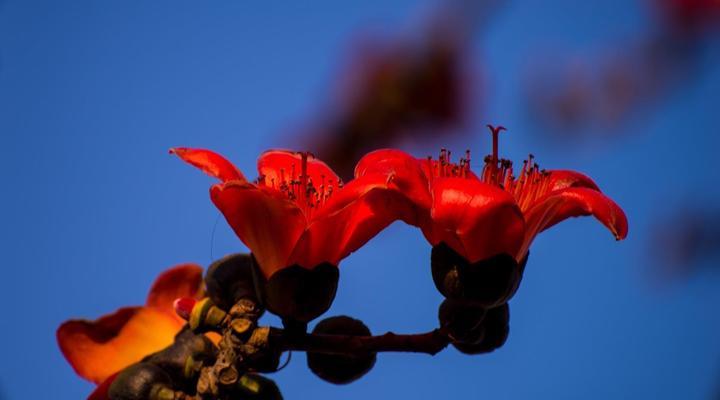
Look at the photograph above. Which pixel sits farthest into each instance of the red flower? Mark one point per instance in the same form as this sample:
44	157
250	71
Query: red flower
99	349
298	212
495	212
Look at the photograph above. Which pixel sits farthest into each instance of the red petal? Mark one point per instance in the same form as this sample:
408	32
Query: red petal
98	349
405	174
101	392
209	162
352	217
184	280
476	219
563	179
573	202
183	307
268	224
274	163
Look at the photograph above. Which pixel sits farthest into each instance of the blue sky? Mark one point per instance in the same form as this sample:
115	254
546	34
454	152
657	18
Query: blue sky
92	94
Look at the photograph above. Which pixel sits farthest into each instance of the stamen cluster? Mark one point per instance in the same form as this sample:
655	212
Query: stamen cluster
300	188
445	168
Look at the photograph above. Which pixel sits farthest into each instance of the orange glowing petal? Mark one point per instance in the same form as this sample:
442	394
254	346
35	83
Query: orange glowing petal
573	202
477	220
97	349
184	280
209	162
353	216
274	164
268	224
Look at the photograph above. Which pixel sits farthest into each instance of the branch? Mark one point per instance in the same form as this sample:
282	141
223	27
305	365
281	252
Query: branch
429	343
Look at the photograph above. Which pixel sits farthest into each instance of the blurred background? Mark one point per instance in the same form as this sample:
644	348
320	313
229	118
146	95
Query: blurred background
92	94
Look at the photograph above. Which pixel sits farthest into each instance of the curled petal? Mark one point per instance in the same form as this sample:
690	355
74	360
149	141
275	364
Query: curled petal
563	179
405	174
573	202
352	217
97	349
278	165
209	162
184	280
268	224
477	220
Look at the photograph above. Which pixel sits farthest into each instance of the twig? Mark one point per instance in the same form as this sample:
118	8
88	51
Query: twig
429	343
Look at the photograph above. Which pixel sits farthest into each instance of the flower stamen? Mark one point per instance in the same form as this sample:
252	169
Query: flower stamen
301	188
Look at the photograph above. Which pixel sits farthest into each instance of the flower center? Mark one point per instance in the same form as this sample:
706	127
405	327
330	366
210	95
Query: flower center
532	183
301	188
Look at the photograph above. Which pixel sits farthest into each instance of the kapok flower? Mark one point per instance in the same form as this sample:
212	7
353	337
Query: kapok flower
495	212
98	350
298	212
297	216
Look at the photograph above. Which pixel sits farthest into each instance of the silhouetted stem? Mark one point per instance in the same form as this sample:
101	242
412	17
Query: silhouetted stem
429	343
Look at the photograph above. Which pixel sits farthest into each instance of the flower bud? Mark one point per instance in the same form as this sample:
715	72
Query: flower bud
336	368
461	320
204	315
141	381
258	387
230	279
495	327
299	294
173	359
488	282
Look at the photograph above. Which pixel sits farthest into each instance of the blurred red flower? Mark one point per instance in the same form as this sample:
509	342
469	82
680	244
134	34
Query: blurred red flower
298	212
495	212
98	350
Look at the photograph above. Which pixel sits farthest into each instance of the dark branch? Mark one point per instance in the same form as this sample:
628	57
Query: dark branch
429	343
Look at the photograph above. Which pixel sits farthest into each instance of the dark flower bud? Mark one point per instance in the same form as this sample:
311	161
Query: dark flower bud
461	320
299	295
258	387
173	359
267	360
230	279
495	328
336	368
141	381
488	283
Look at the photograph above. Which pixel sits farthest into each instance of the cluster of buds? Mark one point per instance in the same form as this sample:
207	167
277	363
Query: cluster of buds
475	313
222	350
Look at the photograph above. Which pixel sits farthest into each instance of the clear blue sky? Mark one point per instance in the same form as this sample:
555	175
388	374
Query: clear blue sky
92	94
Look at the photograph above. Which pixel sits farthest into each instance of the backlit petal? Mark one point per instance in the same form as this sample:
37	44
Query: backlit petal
278	164
363	208
97	349
404	172
209	162
563	179
476	219
183	280
266	222
573	202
